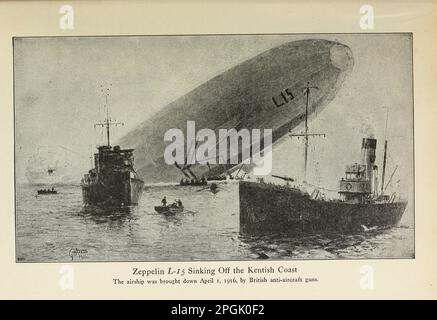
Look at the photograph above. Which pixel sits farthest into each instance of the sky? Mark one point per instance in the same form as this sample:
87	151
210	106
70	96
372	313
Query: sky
57	84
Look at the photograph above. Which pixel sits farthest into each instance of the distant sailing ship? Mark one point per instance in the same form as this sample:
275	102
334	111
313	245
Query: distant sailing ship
49	166
113	180
360	207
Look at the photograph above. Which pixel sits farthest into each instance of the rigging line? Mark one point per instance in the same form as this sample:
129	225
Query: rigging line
219	155
189	152
72	151
391	177
320	188
386	122
226	136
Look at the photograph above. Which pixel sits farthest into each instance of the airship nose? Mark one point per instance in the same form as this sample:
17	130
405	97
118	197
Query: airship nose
342	57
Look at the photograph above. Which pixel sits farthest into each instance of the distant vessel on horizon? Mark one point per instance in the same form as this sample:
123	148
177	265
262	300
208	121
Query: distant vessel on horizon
50	167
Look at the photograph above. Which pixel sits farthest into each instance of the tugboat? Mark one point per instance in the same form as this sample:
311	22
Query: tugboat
113	180
268	207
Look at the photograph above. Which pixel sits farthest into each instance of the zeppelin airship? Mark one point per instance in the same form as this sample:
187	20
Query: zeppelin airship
263	92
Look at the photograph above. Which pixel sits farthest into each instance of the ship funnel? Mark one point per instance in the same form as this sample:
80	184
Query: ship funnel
368	151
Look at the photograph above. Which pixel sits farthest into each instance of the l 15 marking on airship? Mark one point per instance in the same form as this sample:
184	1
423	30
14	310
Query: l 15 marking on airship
283	98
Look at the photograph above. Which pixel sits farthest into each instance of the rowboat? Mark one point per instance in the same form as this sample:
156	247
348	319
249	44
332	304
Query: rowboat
171	209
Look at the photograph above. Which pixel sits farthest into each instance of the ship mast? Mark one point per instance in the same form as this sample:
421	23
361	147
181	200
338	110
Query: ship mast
385	153
306	134
108	121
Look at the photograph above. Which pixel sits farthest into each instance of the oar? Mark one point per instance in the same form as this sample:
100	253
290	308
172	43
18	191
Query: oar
192	212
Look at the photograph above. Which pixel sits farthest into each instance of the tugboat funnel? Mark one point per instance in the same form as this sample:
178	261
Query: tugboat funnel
368	150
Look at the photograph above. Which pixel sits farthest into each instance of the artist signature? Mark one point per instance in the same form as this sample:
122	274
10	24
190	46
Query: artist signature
77	253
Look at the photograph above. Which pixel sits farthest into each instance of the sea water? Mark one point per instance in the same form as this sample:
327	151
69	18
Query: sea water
59	228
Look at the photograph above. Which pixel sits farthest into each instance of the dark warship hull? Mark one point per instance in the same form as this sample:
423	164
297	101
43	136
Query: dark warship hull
125	193
113	180
274	208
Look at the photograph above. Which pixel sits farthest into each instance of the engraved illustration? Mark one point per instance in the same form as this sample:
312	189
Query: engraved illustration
214	147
